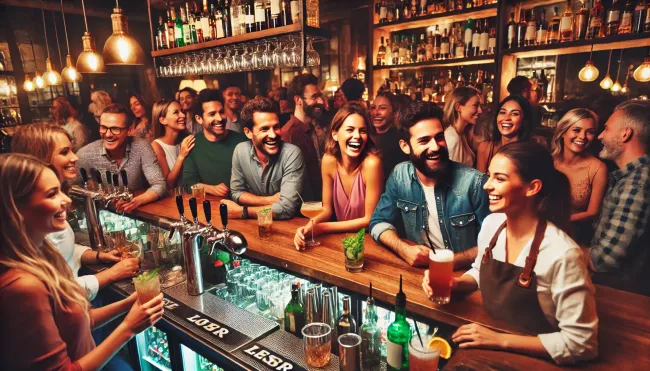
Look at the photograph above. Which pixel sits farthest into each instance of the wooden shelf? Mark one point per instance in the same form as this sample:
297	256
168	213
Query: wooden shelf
447	17
482	59
272	32
583	46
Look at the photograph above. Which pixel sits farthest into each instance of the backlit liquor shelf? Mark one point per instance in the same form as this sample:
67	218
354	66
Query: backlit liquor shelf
480	59
484	11
255	342
614	42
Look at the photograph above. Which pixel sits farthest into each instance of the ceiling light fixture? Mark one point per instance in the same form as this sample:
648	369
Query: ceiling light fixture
616	88
642	73
50	76
69	73
121	48
607	82
89	61
589	72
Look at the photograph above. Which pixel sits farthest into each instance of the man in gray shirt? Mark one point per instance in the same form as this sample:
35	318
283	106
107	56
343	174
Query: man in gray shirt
116	151
265	171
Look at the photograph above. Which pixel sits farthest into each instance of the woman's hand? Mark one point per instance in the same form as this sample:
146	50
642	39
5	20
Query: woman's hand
299	239
477	336
141	317
186	146
125	268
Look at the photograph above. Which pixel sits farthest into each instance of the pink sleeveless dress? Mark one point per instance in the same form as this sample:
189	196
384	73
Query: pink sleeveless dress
352	207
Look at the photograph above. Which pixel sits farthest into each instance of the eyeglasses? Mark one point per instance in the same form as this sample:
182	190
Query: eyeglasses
114	130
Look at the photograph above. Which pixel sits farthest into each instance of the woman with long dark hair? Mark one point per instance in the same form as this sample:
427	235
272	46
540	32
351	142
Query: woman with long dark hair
141	126
530	272
352	176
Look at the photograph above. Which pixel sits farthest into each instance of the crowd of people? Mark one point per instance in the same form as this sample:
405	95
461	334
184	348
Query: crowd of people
418	177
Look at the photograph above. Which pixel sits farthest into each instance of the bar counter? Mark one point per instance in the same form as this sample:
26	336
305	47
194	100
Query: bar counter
624	327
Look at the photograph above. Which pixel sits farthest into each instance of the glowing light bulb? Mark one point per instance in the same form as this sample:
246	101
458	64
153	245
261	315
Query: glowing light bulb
616	88
625	89
28	85
123	49
38	80
642	73
607	82
93	62
589	72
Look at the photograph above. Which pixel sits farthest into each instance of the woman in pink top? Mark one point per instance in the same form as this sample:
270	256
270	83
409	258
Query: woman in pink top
352	176
44	315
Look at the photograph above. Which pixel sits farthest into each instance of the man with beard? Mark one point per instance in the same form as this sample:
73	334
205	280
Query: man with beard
210	161
620	250
187	99
435	202
265	171
383	111
232	99
300	131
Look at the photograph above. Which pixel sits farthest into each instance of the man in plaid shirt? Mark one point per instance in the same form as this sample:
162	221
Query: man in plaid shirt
620	249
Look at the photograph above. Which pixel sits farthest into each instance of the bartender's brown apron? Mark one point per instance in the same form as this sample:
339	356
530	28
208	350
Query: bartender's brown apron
510	292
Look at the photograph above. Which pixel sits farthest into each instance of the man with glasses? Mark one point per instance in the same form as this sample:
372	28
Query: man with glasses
300	131
117	151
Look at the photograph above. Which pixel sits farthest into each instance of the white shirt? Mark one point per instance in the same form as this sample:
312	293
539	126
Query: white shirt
435	233
459	149
171	152
564	289
64	242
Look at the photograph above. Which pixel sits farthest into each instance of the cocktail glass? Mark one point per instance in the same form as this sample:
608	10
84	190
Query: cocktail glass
147	286
265	223
421	357
311	210
317	339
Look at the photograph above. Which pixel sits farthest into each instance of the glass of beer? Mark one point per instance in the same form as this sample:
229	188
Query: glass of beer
311	210
265	222
441	268
422	358
198	192
317	339
147	286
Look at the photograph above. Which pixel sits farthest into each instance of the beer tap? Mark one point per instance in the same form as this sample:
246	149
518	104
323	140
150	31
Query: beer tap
124	193
84	178
89	197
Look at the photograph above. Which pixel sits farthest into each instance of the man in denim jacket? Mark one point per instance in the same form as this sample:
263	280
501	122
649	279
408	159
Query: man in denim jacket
434	200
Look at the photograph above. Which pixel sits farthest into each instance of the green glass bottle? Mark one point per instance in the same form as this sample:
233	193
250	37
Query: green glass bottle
399	335
178	31
294	313
370	336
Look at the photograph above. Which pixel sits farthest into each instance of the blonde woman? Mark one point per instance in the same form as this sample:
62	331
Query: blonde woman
44	314
587	174
462	111
171	145
52	145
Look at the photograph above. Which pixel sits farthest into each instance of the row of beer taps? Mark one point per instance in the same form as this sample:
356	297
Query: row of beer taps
112	190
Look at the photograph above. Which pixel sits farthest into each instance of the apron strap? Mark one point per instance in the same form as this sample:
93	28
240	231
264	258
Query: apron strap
488	252
525	278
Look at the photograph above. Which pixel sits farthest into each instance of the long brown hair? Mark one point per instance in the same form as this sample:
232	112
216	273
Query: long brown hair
332	146
38	140
20	174
67	110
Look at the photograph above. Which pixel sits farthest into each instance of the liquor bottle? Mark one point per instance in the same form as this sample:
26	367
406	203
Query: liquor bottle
444	45
626	19
234	17
461	79
370	336
476	39
531	29
581	22
286	13
162	34
521	29
553	34
431	6
413	50
226	17
190	21
613	18
566	24
187	31
260	16
484	38
460	45
639	16
512	31
381	53
171	28
469	4
460	4
646	24
395	51
543	84
542	26
423	7
492	41
421	50
383	10
294	313
452	41
267	13
178	30
219	26
428	49
406	9
404	50
345	324
437	43
468	37
295	11
205	22
595	20
250	16
398	334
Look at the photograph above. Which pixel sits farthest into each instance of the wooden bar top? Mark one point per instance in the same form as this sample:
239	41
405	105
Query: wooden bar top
624	318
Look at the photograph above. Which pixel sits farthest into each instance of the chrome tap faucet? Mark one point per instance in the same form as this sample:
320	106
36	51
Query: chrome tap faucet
89	198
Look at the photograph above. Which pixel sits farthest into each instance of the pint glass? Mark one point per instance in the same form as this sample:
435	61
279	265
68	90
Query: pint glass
441	267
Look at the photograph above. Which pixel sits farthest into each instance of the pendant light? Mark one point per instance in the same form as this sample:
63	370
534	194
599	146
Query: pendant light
607	82
589	72
28	85
89	61
69	73
616	88
642	73
121	48
625	90
50	76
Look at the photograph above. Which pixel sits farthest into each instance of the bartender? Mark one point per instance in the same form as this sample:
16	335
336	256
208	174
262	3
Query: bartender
530	272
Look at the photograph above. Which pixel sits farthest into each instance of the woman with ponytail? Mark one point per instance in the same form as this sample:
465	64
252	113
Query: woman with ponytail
530	272
44	314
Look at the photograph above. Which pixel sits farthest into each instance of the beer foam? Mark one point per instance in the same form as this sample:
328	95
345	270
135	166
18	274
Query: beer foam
441	256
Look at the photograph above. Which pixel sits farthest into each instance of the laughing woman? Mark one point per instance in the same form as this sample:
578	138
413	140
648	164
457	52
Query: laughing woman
587	175
352	176
170	146
462	111
531	274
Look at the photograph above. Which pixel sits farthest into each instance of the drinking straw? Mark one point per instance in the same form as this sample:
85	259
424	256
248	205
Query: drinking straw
303	201
417	330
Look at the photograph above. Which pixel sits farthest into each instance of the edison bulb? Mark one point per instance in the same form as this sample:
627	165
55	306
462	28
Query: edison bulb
642	73
625	89
38	80
28	85
607	82
616	88
589	72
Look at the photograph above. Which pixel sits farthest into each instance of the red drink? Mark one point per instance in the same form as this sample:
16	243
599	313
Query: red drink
441	268
422	358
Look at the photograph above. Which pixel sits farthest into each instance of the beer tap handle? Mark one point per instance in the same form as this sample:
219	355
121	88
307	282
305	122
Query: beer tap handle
223	211
116	181
125	180
194	210
97	177
109	179
207	211
179	206
84	175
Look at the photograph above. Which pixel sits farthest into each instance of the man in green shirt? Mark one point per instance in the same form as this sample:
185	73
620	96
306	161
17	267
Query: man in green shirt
210	161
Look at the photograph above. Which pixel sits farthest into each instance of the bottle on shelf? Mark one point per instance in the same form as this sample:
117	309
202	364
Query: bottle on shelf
226	18
219	27
250	16
531	29
484	38
444	45
422	11
398	334
476	39
346	324
431	6
595	20
639	17
613	18
171	28
413	50
267	13
626	19
187	31
179	29
275	14
205	23
543	84
294	313
161	33
404	50
512	31
553	34
461	78
428	49
295	11
581	22
191	18
383	10
459	47
421	50
437	43
492	41
395	51
521	29
460	5
646	23
381	53
260	15
542	26
286	13
566	24
468	36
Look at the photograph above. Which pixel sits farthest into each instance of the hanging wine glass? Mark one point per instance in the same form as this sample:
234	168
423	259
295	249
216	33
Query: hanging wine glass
256	60
227	62
313	58
267	56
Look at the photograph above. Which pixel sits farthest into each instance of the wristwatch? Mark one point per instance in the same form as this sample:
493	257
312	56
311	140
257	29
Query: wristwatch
244	212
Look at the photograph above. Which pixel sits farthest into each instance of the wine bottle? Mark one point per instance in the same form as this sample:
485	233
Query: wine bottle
512	31
370	336
468	37
531	29
566	24
428	49
476	39
346	323
595	20
383	10
521	29
171	28
437	43
205	22
421	49
162	34
542	26
581	22
294	313
626	19
178	30
639	16
613	18
250	16
187	32
492	41
553	35
260	17
484	38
